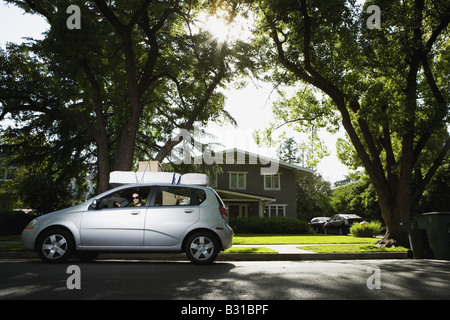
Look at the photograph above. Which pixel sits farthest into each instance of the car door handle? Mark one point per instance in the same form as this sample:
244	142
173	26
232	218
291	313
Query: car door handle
134	213
189	210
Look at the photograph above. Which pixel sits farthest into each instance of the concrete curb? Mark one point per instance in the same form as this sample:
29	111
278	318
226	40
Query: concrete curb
227	256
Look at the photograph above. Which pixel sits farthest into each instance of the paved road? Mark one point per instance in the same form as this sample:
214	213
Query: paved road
274	280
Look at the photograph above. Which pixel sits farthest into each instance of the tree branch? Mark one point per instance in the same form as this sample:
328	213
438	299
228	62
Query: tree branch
419	187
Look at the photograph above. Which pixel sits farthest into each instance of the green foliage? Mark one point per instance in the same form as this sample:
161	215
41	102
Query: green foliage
314	198
370	229
13	222
43	194
273	225
288	151
358	197
305	114
436	195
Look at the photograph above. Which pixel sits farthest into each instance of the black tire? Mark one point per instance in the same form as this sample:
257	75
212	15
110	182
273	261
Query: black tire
202	248
55	246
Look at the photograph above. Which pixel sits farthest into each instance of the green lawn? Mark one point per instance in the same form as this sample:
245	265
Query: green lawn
250	250
297	239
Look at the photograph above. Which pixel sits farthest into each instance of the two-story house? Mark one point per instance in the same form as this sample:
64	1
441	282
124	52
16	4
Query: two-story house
248	191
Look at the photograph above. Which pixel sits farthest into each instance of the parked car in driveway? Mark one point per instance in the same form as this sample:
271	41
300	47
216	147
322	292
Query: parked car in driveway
341	223
317	223
135	218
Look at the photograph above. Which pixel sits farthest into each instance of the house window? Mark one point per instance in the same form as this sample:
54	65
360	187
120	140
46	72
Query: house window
272	182
274	210
238	180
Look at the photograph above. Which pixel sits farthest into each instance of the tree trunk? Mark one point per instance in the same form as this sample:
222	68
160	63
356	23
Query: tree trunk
124	152
103	165
393	216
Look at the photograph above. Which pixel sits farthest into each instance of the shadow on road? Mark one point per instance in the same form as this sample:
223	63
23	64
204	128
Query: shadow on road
276	280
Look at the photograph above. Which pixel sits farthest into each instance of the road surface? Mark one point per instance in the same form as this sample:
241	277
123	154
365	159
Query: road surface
243	280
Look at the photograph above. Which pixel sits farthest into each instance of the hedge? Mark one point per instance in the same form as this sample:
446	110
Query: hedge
13	222
273	225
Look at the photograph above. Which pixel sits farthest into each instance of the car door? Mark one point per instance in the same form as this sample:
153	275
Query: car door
174	209
116	222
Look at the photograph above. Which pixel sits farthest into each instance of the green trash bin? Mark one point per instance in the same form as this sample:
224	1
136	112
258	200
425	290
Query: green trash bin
416	238
437	226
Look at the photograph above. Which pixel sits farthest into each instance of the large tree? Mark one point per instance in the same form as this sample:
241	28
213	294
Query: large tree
133	70
390	85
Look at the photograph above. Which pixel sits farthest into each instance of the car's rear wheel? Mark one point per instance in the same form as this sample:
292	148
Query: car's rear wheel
202	248
55	246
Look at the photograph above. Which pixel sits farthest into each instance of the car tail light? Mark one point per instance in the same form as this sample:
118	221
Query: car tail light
223	212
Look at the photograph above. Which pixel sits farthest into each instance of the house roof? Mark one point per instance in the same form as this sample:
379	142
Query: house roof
229	195
296	168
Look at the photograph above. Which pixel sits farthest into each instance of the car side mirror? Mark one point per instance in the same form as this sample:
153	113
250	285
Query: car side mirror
94	205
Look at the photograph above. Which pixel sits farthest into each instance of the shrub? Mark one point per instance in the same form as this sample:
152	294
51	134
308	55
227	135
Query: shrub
370	229
273	225
13	222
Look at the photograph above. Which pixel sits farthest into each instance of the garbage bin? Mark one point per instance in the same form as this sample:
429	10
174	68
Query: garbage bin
437	226
416	238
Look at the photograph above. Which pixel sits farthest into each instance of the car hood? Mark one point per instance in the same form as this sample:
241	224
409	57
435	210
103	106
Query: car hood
74	209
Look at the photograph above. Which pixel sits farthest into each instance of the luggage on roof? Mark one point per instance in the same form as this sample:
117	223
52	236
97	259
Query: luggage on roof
125	177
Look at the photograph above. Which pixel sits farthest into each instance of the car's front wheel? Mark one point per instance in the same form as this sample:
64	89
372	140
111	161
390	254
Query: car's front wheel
202	248
55	246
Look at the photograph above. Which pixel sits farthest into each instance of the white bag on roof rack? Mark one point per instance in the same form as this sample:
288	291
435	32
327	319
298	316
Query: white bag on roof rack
117	178
158	177
194	178
125	177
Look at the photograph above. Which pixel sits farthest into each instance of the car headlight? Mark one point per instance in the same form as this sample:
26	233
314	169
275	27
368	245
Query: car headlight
30	226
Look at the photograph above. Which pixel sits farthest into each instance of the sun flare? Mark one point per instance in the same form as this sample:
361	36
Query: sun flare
219	28
222	30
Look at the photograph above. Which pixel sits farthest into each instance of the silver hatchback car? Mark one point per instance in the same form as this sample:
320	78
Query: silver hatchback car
135	218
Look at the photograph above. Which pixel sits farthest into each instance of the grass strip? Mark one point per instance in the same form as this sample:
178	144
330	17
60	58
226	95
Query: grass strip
299	239
250	250
351	248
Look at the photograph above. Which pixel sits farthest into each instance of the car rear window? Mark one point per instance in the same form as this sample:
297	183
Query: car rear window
179	196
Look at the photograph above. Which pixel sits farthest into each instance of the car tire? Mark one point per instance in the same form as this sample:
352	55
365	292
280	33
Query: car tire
55	246
202	248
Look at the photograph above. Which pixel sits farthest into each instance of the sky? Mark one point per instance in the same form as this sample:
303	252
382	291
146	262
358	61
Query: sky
251	107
